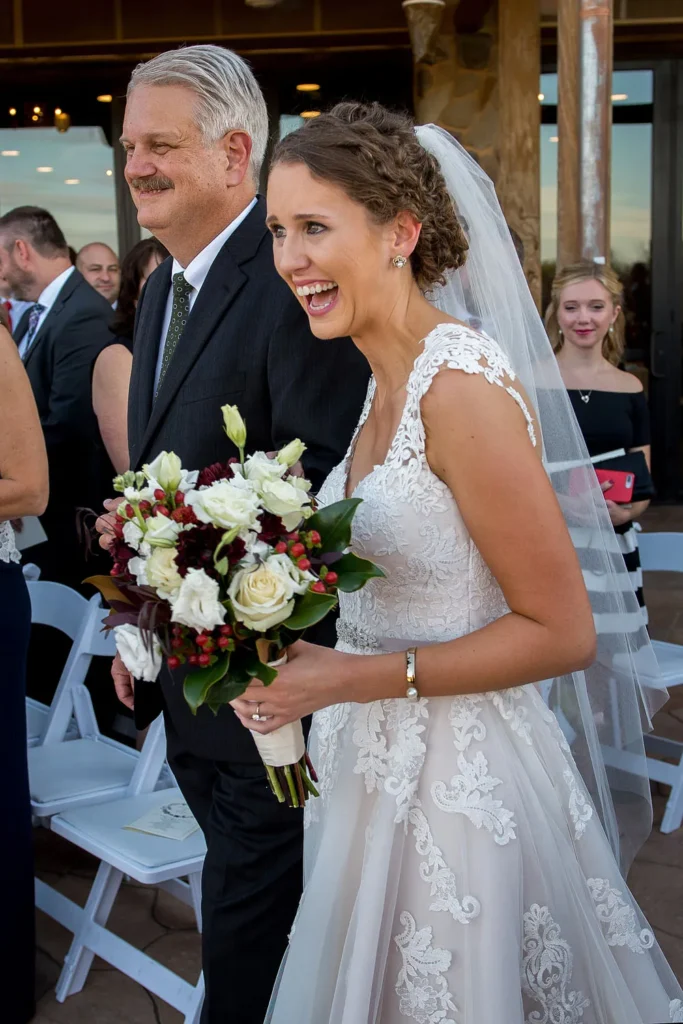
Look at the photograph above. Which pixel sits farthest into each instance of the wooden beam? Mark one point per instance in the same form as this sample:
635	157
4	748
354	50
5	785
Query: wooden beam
126	214
568	158
519	181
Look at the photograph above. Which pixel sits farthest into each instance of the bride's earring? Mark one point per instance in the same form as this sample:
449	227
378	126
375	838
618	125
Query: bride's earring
399	261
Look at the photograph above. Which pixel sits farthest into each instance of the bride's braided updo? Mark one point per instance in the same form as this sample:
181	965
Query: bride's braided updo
373	154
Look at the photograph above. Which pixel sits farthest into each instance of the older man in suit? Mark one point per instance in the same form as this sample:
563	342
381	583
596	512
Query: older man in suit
59	341
217	325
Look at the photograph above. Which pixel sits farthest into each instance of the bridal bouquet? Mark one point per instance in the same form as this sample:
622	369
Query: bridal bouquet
221	570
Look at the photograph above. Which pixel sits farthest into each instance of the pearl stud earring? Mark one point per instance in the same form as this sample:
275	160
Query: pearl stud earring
399	261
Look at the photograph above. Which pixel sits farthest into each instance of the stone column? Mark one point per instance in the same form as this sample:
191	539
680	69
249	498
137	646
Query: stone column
477	74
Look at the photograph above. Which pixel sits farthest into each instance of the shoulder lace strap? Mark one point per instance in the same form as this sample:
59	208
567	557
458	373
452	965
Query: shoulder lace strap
460	348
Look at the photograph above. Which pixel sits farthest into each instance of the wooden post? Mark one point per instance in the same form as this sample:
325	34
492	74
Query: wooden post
126	214
584	33
519	180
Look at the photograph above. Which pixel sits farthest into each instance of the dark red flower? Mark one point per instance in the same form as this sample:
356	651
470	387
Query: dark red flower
214	472
196	549
272	528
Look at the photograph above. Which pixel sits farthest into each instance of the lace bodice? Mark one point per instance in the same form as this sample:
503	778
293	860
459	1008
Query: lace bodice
8	549
437	585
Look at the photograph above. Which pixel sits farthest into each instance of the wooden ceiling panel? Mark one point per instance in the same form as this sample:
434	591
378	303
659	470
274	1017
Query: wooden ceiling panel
68	21
361	14
172	19
290	16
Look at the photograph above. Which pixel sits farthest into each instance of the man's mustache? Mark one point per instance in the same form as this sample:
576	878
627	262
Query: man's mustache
155	184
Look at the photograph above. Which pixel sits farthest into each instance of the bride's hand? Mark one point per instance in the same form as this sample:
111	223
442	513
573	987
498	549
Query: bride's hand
313	678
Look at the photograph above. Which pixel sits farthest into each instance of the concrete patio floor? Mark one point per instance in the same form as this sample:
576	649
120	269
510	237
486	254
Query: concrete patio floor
159	924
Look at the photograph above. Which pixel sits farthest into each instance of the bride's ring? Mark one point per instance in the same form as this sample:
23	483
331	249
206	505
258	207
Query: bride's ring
256	717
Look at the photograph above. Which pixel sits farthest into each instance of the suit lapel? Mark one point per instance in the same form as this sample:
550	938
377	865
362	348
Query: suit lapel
223	283
67	290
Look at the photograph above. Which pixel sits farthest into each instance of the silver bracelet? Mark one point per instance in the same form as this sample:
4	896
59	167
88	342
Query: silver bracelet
411	675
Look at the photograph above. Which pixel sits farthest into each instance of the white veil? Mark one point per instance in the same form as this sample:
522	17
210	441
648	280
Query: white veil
604	710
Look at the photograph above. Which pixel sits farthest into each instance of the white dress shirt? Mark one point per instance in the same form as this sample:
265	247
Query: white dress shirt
195	274
47	298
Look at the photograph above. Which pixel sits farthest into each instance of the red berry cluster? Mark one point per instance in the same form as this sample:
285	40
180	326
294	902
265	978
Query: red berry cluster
300	545
199	650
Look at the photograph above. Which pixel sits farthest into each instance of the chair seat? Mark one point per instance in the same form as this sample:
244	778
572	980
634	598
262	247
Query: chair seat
80	768
100	829
670	661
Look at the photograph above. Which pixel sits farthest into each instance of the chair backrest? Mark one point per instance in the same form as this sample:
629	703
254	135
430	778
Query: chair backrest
53	604
661	552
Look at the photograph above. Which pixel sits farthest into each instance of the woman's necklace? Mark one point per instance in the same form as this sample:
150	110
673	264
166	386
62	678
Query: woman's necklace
585	398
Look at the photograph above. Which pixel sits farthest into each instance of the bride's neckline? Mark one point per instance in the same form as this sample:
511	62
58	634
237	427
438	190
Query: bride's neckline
350	492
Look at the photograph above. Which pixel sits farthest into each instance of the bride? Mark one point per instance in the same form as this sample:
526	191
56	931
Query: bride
462	860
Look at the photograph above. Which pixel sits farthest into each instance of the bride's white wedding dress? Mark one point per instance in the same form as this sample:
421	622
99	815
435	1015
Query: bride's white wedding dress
456	871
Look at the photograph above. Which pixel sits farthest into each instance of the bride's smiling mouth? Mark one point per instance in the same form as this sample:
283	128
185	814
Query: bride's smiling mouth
320	296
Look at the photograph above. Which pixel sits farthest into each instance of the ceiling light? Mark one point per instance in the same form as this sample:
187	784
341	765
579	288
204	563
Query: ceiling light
618	97
310	113
45	170
37	110
308	87
72	181
12	111
109	173
554	138
34	117
104	98
541	97
10	152
58	111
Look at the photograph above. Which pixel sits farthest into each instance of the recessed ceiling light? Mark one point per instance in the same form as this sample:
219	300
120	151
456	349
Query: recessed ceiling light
618	97
45	170
34	117
541	97
308	87
554	138
37	110
12	111
10	152
104	98
310	113
72	181
109	173
58	111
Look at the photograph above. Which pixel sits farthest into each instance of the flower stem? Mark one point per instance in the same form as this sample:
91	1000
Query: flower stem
275	783
292	788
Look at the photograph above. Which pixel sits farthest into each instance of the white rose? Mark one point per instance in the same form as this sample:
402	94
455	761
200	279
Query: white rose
161	531
166	470
291	453
258	468
162	572
132	534
138	568
262	595
196	603
284	499
226	504
136	655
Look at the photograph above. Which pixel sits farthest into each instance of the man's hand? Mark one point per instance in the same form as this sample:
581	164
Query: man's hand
105	524
124	683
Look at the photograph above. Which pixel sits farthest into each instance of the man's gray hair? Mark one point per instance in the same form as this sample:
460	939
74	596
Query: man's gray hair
227	92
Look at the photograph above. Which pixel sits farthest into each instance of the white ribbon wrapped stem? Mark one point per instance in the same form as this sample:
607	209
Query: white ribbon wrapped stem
286	745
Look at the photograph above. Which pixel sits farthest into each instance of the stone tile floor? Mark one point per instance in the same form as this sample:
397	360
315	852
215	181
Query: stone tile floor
159	924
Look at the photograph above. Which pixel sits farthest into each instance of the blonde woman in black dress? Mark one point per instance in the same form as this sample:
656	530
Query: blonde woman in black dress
585	322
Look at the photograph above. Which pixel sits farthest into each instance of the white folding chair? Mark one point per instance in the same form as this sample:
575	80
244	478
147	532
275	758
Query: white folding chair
53	604
663	552
151	860
91	768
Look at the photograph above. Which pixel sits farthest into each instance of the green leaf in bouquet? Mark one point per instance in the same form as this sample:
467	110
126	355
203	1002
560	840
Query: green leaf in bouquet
309	609
354	572
221	566
333	523
108	589
260	670
198	683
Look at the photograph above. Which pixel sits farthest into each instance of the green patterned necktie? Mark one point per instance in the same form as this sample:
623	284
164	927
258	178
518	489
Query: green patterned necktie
179	314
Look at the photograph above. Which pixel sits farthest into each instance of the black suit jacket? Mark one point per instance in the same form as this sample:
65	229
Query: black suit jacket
59	366
247	343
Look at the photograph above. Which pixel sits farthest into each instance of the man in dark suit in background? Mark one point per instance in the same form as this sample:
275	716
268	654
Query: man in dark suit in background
217	325
59	341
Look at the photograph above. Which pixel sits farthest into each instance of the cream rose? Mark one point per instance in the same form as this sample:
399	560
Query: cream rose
286	500
136	655
196	604
162	572
227	504
263	595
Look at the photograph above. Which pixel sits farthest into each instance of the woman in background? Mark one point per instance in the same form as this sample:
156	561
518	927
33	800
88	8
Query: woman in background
111	373
23	492
585	323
